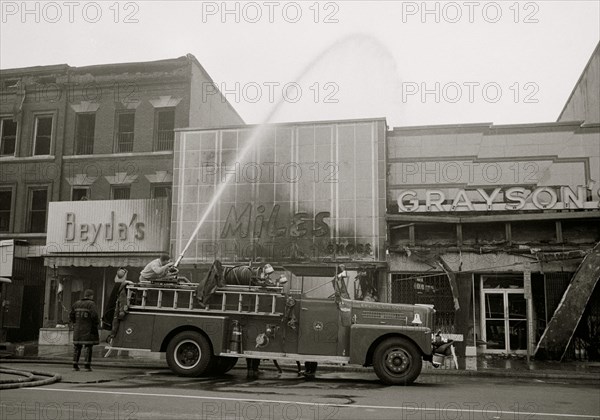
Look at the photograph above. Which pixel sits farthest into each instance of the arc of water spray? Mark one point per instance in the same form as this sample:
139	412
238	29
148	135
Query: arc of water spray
255	137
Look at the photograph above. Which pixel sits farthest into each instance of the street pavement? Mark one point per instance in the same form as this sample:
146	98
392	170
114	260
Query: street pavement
488	366
139	386
153	392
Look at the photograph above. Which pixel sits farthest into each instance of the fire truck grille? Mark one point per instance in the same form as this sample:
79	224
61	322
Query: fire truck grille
384	315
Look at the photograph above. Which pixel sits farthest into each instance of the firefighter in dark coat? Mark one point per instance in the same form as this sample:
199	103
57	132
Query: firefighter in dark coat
85	318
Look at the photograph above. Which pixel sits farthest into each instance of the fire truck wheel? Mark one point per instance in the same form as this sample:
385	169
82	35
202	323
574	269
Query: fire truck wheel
397	361
189	354
221	365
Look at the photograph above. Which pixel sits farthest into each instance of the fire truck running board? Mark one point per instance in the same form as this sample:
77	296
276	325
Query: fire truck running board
110	350
289	356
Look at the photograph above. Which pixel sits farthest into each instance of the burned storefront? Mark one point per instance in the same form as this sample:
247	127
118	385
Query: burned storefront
87	242
304	197
491	224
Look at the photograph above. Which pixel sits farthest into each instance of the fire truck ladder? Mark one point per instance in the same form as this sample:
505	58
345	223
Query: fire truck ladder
181	298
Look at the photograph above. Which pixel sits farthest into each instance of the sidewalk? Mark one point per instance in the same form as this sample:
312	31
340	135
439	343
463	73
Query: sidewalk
484	366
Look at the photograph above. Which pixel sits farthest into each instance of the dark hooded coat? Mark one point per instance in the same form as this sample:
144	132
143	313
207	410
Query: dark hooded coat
85	317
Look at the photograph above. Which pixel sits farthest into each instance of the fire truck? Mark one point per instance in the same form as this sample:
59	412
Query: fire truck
278	321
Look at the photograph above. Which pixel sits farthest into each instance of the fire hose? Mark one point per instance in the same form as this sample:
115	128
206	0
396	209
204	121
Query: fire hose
27	378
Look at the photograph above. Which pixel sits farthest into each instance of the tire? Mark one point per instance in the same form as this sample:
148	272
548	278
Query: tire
220	365
189	354
397	361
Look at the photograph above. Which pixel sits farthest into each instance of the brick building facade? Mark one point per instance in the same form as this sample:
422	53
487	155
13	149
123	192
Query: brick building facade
102	132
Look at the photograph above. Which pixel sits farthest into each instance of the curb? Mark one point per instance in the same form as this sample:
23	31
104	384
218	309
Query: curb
588	377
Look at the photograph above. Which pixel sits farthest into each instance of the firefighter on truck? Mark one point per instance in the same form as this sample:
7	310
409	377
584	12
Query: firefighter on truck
246	312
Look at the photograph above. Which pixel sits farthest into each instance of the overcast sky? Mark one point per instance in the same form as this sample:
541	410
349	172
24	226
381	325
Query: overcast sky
413	63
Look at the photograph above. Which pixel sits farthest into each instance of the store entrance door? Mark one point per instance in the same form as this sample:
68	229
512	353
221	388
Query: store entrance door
504	313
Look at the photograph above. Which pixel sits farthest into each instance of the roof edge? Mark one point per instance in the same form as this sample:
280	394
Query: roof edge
315	122
589	62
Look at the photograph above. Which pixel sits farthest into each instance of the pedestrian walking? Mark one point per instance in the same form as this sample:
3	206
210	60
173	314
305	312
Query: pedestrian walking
84	316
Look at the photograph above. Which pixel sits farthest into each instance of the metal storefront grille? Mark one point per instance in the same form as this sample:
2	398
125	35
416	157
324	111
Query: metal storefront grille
412	288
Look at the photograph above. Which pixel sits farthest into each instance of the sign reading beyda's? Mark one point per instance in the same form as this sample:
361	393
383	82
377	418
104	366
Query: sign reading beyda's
499	199
108	226
108	230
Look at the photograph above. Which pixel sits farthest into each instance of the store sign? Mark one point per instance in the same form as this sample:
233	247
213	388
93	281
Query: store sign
109	230
500	199
272	232
269	224
108	226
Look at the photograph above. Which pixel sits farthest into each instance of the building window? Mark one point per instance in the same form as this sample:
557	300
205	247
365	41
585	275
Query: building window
161	191
84	136
43	135
80	193
5	209
120	192
163	128
125	131
38	207
8	139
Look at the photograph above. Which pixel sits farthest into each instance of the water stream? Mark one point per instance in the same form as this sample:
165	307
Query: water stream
256	136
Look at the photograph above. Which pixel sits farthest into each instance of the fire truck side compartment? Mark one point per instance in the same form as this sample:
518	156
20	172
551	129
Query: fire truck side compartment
166	326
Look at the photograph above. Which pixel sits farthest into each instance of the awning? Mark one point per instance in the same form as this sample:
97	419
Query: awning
100	259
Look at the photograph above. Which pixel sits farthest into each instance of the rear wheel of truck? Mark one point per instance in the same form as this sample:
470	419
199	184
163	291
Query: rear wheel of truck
189	354
221	365
397	361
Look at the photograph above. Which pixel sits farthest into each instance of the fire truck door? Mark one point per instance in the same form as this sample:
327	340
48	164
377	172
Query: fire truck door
318	327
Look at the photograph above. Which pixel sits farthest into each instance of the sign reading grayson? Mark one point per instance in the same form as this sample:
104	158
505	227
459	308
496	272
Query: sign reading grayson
108	226
513	198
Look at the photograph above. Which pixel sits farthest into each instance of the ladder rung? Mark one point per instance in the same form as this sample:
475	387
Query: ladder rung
191	306
240	302
272	305
144	294
175	295
159	303
256	303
